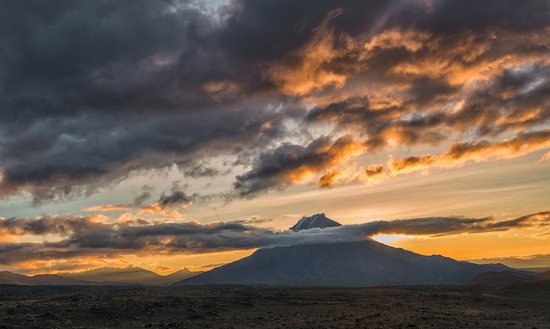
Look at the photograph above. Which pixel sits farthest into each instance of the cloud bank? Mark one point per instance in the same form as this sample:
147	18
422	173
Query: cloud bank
81	237
92	92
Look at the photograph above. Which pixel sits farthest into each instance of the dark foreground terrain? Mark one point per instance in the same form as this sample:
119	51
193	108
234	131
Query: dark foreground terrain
239	307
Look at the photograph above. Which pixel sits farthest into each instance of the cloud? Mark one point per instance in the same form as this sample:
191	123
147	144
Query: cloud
92	93
329	178
163	268
143	196
439	226
290	163
459	152
90	237
311	69
167	205
209	266
76	119
176	198
518	262
375	172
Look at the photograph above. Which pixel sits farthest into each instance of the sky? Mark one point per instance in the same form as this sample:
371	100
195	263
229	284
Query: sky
172	134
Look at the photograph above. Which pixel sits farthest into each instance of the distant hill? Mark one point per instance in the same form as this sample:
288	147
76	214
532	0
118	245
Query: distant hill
42	279
178	276
14	278
359	263
535	269
497	279
101	276
535	287
131	275
315	221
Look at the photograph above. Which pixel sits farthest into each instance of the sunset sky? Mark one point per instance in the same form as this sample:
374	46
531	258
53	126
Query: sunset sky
172	134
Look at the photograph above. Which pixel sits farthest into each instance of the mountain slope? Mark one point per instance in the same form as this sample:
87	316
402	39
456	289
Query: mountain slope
41	279
535	269
100	276
14	278
360	263
497	279
535	287
131	275
179	276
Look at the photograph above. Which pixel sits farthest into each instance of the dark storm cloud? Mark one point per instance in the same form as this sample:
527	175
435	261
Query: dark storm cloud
143	196
197	170
62	225
289	163
91	91
94	90
86	236
174	199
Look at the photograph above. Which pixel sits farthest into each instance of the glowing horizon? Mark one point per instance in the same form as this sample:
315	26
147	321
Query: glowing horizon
167	135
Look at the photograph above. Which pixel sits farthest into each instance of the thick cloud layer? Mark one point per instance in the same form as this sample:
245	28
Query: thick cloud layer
90	236
460	152
92	91
290	163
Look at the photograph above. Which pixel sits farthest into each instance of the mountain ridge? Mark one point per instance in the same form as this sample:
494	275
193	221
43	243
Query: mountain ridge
349	264
314	221
535	287
99	276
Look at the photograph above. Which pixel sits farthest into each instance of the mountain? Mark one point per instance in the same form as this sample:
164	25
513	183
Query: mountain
315	221
59	280
497	279
535	269
100	276
130	276
359	263
41	279
15	278
178	276
535	288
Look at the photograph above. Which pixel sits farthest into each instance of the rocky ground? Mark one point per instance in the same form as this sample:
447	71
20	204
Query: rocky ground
239	307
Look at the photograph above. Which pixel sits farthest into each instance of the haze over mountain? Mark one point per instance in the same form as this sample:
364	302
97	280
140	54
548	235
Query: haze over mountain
100	276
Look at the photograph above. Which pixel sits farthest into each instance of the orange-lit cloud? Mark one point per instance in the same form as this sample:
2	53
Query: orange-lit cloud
329	178
374	172
109	207
290	164
407	75
313	70
460	152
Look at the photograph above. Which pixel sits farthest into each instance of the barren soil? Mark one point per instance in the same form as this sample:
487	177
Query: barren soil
261	307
